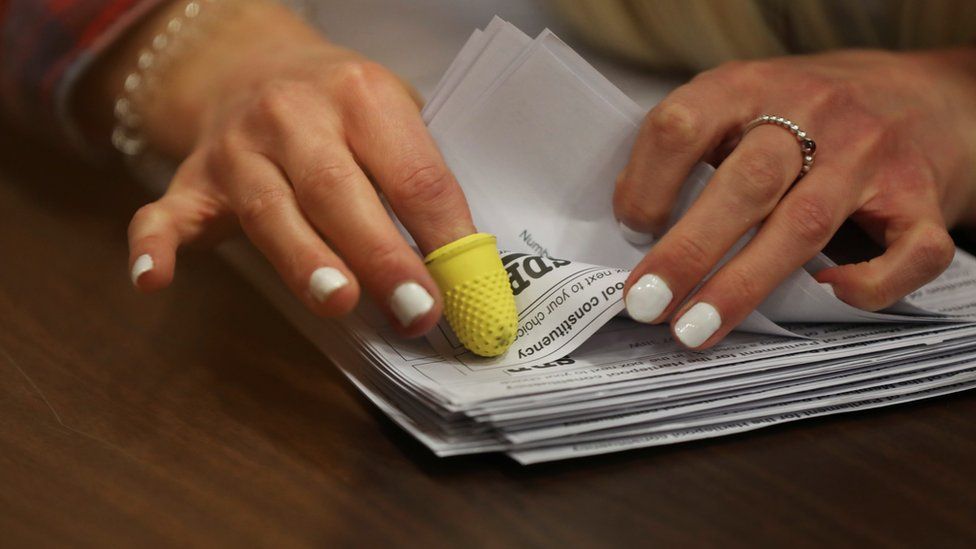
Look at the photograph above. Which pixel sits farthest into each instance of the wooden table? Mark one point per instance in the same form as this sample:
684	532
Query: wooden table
199	416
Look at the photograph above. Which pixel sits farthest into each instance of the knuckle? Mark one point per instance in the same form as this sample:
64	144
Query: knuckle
641	216
675	126
935	251
882	291
686	250
811	220
223	157
359	78
258	204
423	185
146	222
317	182
145	215
831	95
760	176
744	287
636	213
743	74
222	152
277	101
875	295
383	255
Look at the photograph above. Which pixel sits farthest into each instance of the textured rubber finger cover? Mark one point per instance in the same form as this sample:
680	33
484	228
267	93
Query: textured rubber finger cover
478	301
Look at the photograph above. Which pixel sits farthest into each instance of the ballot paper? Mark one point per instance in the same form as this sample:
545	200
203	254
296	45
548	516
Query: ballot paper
536	138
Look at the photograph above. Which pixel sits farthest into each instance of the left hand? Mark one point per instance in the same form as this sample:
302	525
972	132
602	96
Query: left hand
895	141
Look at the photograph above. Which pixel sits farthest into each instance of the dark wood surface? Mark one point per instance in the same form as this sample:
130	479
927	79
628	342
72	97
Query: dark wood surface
201	417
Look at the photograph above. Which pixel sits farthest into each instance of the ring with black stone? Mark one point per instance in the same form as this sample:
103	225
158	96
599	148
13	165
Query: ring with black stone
808	147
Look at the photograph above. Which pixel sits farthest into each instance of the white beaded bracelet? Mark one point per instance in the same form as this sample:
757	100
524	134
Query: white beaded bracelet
140	83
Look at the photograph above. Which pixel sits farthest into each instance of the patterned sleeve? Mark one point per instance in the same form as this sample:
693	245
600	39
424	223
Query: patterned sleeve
45	45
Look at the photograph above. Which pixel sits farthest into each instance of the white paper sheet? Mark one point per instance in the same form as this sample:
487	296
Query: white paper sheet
536	138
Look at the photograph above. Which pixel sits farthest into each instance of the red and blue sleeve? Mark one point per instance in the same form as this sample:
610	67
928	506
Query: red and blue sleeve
46	46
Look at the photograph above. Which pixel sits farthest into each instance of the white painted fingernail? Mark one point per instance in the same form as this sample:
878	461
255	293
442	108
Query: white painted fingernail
324	281
410	301
636	238
697	325
829	287
143	264
648	298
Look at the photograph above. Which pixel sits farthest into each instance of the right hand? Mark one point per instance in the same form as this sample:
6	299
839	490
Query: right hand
287	134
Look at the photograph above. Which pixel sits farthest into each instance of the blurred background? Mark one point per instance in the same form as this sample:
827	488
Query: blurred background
419	38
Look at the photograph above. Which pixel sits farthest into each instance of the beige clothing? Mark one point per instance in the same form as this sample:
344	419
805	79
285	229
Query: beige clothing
698	34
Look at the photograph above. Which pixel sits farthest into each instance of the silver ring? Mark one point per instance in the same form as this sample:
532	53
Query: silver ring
808	147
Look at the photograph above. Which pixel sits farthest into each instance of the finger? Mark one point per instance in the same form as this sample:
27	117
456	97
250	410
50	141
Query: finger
158	229
389	137
795	232
342	204
744	190
914	257
153	241
271	218
676	134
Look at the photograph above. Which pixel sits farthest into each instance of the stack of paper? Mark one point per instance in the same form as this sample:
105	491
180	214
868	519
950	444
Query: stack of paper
536	137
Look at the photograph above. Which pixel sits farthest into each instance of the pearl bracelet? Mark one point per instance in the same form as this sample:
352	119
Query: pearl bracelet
140	84
142	81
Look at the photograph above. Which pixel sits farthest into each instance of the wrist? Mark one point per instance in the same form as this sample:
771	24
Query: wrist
950	75
237	35
237	53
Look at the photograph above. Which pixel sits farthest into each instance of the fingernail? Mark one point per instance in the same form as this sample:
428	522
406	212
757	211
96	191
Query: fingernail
636	238
324	281
648	298
144	264
409	301
829	287
697	325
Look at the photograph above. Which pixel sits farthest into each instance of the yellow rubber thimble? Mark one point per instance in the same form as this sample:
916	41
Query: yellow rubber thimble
478	300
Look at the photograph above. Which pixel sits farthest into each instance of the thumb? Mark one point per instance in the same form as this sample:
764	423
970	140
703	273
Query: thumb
914	256
158	229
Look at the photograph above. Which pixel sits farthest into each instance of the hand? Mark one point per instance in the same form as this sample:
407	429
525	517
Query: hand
286	134
895	154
